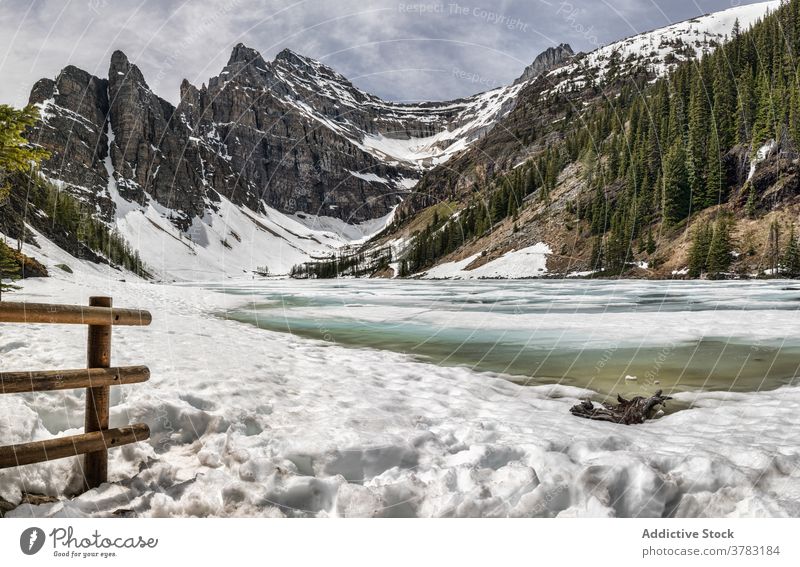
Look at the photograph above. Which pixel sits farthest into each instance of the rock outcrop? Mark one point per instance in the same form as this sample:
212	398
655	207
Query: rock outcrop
548	59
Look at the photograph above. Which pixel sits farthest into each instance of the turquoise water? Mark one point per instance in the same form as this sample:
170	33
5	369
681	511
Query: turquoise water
628	337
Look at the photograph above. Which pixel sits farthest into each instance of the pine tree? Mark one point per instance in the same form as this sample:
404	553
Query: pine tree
676	195
698	253
724	103
774	248
650	248
15	152
713	190
719	251
736	32
596	257
763	125
744	108
697	140
750	205
791	258
9	270
794	111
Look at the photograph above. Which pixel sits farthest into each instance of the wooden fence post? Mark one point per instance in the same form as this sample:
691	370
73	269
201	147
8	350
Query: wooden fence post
97	379
98	355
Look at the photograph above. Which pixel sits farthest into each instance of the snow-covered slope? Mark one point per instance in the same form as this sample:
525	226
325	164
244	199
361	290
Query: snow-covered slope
235	241
229	240
529	262
250	171
661	49
420	135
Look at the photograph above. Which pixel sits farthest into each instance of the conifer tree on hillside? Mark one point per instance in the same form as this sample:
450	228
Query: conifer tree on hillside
763	124
698	252
791	258
720	249
713	193
16	154
9	270
744	108
724	112
774	248
596	259
697	141
676	185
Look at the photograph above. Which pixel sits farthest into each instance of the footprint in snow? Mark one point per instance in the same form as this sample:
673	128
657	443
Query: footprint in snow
13	345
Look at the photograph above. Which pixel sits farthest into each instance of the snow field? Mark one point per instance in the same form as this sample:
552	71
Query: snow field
247	422
234	241
530	262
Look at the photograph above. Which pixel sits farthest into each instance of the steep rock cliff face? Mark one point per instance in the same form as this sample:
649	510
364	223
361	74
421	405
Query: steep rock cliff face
290	134
74	107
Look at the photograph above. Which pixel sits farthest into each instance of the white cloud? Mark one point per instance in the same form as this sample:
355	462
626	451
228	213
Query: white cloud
450	49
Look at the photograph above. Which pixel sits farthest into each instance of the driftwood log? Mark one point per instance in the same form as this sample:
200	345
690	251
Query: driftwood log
635	410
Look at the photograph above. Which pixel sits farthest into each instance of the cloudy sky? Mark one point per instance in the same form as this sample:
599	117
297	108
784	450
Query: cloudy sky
406	51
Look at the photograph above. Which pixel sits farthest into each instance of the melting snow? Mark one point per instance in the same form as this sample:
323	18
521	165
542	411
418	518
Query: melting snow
530	262
371	177
274	425
760	156
658	48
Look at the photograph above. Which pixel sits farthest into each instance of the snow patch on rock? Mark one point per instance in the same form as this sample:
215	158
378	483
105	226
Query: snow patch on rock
761	155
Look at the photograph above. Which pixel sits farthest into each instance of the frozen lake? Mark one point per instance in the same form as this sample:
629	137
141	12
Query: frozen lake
675	335
359	398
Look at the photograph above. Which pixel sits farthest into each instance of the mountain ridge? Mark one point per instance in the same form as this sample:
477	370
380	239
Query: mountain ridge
577	168
292	88
295	138
288	139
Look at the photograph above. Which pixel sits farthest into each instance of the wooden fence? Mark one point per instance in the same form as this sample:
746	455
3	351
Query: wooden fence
97	378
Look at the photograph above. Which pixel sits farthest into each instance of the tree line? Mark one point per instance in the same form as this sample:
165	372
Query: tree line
73	218
656	153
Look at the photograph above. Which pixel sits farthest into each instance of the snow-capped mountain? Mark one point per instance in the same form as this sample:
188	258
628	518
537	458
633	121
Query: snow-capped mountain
291	134
416	136
660	50
274	163
289	139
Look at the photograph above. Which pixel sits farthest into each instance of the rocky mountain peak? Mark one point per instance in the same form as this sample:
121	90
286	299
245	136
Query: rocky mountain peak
123	70
75	73
308	77
547	60
296	64
119	59
245	55
245	66
191	102
289	56
186	87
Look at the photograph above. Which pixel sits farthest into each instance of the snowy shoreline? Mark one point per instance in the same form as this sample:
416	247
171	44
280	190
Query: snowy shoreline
248	422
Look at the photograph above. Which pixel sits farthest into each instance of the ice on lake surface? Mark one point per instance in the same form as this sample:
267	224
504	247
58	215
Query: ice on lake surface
628	337
321	414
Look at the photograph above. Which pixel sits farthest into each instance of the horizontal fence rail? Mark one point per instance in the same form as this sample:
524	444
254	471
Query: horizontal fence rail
51	380
97	378
61	447
13	312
